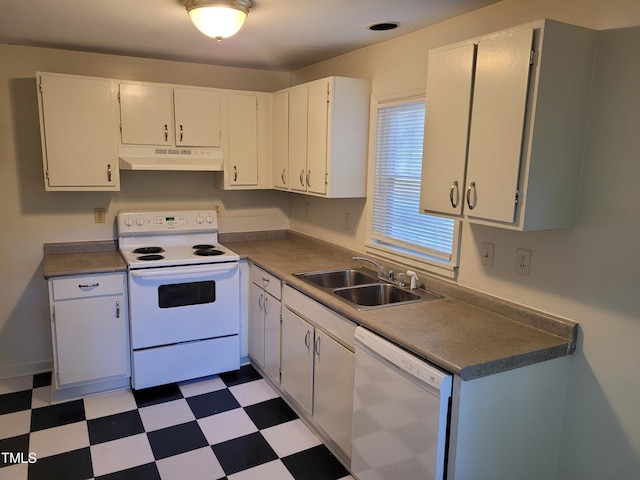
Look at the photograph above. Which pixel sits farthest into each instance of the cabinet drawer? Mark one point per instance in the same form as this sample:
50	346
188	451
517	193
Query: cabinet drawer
87	286
265	280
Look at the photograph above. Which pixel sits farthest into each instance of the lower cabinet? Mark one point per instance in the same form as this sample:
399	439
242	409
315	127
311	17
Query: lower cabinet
90	333
264	321
318	365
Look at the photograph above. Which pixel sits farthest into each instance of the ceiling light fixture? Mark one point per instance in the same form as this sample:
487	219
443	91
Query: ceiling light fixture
218	18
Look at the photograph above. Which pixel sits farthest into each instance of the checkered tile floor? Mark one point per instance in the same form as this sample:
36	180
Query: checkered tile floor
232	426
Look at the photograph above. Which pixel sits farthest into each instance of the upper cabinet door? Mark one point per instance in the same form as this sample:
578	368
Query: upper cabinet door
197	117
243	139
298	98
146	114
79	132
497	125
448	103
317	132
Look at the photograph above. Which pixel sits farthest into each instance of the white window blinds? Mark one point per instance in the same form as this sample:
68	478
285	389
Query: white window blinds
397	220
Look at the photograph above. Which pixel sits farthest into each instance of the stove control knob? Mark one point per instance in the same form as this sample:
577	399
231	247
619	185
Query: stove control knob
209	219
128	222
199	219
140	221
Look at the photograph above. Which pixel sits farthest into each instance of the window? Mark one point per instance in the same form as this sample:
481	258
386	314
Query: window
398	227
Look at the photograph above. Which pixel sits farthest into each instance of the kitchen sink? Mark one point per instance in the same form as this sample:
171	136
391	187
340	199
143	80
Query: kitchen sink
362	289
339	278
382	294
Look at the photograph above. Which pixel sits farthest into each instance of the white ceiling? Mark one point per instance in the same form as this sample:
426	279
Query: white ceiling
277	35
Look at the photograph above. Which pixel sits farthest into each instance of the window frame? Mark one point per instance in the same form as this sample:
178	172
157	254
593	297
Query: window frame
406	256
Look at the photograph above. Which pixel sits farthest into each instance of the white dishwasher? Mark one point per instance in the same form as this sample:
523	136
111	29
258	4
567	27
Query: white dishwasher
400	410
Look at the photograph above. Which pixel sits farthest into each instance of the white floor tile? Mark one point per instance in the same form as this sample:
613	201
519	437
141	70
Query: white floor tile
15	472
166	414
226	425
17	384
194	465
290	437
53	441
120	454
109	403
14	424
192	388
267	471
41	397
253	392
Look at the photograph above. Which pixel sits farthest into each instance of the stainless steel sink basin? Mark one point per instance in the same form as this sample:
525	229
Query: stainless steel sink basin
377	295
339	278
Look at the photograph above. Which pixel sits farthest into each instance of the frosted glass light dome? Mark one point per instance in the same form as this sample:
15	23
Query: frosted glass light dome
217	21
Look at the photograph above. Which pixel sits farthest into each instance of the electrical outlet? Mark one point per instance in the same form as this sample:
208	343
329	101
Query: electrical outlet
217	206
523	261
487	254
99	215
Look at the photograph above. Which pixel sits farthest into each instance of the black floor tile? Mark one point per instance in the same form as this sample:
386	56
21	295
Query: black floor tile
270	412
74	465
14	450
316	463
211	403
15	402
56	415
148	471
246	374
244	452
113	427
177	439
155	395
42	380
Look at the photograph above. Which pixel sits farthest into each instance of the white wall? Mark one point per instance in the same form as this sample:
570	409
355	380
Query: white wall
589	274
32	217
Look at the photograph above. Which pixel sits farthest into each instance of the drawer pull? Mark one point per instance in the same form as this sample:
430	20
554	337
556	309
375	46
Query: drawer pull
89	285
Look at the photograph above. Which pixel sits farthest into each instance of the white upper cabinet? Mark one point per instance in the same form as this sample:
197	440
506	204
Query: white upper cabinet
162	115
328	136
246	140
280	142
79	132
505	126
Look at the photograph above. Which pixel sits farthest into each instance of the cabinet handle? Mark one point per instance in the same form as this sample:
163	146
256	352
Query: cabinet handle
472	185
266	299
308	174
235	173
260	302
108	172
306	339
302	178
117	309
317	347
265	281
89	285
454	187
181	132
284	170
166	132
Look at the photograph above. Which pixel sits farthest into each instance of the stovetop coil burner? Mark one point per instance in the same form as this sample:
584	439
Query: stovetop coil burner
147	258
148	250
207	252
203	246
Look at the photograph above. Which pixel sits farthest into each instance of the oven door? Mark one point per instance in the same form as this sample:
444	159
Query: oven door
180	304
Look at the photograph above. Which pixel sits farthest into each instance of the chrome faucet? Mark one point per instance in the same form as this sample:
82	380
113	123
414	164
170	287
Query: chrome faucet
381	271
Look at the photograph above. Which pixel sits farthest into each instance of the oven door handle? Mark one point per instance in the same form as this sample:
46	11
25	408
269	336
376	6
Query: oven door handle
177	271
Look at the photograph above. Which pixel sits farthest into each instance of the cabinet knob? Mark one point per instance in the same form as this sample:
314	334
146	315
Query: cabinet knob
181	133
166	132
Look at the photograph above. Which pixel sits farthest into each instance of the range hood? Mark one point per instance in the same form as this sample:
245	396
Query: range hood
170	158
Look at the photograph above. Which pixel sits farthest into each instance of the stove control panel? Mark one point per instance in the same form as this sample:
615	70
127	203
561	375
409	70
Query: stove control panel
158	222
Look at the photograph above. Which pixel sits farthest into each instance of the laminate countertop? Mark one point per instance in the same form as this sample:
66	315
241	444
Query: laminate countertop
81	258
466	333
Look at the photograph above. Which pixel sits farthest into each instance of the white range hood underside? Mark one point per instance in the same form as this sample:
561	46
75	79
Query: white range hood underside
170	158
